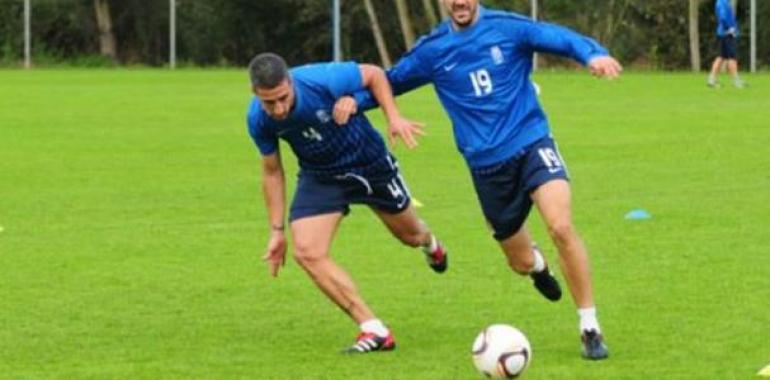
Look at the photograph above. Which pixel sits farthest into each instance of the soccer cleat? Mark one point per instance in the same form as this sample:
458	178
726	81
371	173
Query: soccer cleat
740	84
593	345
546	284
713	84
438	259
369	342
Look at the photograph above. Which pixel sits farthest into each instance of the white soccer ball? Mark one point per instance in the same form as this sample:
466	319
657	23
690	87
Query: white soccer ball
501	352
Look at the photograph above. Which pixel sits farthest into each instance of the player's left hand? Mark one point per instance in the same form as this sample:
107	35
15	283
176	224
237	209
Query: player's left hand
405	130
344	108
605	67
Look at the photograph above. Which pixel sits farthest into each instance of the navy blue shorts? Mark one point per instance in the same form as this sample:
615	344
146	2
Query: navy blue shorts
384	191
727	47
504	189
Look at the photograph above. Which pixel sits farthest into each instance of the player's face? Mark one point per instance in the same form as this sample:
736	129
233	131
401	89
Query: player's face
462	12
277	101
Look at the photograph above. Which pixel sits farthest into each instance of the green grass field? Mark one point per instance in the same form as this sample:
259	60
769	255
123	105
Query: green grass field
133	223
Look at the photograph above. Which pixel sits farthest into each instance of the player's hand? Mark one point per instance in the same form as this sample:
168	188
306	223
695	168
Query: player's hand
344	108
405	130
276	252
605	67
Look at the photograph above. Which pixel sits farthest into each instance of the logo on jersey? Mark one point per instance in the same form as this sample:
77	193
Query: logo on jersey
312	134
497	55
323	116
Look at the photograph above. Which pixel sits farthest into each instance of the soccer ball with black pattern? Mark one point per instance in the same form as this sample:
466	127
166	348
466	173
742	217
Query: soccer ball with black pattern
501	352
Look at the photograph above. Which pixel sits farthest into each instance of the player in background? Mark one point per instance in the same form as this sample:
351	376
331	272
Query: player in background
342	160
727	32
479	62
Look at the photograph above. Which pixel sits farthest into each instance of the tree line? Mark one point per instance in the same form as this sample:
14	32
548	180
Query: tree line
659	34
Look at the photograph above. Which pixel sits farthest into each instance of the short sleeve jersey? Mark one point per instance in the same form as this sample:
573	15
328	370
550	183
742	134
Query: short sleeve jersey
323	148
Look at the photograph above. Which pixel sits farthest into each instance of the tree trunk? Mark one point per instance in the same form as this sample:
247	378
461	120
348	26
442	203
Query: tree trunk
107	44
381	47
694	36
406	23
430	12
442	10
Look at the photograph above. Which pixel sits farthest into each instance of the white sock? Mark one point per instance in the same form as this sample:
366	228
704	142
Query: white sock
539	261
375	326
588	319
432	246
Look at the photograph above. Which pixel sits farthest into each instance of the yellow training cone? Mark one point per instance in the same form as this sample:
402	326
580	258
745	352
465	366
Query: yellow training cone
764	372
416	203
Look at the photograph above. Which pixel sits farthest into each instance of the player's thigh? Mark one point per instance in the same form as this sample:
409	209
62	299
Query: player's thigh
553	201
547	181
313	235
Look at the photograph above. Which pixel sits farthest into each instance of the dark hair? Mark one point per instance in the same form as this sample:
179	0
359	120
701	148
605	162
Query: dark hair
267	70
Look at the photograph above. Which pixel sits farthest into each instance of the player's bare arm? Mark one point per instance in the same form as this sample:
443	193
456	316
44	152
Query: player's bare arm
274	190
605	67
375	80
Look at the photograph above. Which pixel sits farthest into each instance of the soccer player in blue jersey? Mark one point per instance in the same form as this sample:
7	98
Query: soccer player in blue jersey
727	32
343	160
479	62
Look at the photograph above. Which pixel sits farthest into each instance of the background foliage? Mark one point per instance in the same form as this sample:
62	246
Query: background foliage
648	33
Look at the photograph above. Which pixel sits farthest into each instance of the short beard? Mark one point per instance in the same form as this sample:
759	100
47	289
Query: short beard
474	13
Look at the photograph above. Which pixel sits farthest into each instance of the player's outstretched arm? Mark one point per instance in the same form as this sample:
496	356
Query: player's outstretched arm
375	80
605	67
274	190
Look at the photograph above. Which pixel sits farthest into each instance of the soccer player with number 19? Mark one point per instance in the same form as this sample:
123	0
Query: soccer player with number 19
479	62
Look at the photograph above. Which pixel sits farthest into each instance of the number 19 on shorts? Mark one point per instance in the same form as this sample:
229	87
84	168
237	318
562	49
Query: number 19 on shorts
482	82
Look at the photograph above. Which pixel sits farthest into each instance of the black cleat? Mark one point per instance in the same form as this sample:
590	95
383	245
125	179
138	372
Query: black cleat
438	260
546	284
593	345
369	342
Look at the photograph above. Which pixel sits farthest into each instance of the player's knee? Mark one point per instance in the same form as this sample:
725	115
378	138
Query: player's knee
521	263
562	232
306	255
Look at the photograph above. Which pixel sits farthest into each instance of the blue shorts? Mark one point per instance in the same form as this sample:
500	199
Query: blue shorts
504	189
727	47
384	190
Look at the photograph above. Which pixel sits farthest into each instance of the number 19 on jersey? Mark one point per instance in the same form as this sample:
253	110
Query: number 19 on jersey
482	82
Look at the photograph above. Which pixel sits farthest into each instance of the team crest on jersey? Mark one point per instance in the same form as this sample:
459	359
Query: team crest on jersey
323	116
497	55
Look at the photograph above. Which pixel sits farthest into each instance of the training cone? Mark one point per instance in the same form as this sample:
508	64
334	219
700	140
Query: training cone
764	372
638	214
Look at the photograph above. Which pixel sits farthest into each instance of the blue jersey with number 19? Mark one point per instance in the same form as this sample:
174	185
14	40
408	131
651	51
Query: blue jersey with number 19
323	148
481	75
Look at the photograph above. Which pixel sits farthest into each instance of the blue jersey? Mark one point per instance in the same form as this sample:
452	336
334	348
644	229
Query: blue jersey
725	18
322	147
481	75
